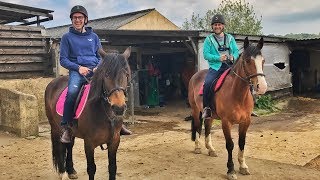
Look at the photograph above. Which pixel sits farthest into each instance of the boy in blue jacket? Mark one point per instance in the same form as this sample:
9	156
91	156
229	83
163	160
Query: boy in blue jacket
80	52
218	49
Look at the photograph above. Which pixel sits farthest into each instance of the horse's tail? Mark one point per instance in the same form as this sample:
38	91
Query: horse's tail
58	153
194	129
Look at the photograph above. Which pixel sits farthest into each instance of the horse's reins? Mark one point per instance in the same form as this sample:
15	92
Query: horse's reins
106	94
248	77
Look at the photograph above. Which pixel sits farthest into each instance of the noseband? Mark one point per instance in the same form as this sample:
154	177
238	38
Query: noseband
106	94
248	77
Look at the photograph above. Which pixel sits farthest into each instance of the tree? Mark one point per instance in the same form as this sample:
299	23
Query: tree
239	15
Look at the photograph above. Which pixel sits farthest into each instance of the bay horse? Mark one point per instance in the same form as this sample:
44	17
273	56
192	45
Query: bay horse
233	103
101	119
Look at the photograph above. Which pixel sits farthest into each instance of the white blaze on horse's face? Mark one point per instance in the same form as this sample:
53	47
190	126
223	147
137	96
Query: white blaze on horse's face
262	86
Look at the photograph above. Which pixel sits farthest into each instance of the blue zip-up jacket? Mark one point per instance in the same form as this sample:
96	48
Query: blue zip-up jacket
79	49
211	53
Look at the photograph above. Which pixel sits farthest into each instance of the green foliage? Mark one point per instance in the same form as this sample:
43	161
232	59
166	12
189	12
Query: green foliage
239	15
302	36
266	102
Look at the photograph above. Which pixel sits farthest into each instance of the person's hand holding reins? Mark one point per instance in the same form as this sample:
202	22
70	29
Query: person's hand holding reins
84	70
223	57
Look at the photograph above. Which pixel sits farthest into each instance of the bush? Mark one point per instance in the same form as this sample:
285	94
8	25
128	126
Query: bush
266	102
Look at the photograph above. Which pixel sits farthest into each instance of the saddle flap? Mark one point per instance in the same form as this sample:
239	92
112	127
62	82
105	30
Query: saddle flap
217	83
80	104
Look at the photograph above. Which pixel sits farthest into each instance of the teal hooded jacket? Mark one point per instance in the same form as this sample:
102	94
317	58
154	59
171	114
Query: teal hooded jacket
211	53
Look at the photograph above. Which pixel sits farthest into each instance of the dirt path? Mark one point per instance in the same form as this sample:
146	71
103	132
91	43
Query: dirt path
278	146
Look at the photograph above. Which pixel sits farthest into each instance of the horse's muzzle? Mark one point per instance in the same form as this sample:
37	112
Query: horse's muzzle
119	110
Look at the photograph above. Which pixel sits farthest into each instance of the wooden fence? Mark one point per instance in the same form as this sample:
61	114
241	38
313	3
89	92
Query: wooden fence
24	52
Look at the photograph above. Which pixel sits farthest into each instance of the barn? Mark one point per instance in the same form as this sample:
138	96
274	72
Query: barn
305	66
27	52
23	54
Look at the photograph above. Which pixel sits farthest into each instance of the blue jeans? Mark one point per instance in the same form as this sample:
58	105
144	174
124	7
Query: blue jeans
76	80
212	76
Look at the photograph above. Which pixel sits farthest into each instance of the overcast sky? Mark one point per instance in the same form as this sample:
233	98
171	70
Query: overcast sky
279	17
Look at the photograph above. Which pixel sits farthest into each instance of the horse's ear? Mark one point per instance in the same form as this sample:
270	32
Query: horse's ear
127	52
246	43
260	43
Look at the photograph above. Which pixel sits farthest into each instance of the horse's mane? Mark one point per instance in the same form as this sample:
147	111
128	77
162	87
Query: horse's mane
110	66
247	53
251	51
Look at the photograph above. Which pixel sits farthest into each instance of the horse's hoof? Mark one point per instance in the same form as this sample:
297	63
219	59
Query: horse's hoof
64	176
232	176
213	154
244	171
73	176
197	151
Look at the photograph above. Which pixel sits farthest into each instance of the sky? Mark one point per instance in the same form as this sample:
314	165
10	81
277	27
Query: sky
279	17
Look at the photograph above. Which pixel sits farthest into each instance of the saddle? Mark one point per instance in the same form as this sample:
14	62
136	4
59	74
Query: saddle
217	83
80	102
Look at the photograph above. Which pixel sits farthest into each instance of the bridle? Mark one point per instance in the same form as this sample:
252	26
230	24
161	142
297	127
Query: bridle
248	77
106	94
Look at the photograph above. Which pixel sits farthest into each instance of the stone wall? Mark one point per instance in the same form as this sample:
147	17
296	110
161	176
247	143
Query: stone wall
18	113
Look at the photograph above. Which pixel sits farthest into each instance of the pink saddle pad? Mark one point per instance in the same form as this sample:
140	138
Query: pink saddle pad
82	102
219	82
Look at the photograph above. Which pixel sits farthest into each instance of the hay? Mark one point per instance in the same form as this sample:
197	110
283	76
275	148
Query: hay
34	87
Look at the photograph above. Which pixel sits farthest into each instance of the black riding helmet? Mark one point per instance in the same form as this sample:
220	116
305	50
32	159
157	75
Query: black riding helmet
79	9
218	18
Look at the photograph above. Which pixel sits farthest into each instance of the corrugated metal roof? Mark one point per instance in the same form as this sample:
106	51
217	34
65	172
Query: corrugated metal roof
273	39
10	13
111	22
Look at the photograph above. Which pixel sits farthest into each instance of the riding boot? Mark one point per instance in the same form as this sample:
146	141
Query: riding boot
206	113
66	134
125	131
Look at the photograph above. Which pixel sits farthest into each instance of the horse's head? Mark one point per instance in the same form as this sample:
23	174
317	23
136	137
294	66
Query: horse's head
253	62
111	79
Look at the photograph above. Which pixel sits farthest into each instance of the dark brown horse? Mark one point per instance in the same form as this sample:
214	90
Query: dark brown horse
101	120
233	102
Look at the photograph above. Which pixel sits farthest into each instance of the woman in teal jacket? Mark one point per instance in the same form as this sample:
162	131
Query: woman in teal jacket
219	49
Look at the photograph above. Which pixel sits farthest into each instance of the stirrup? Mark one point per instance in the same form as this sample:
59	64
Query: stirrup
66	136
206	113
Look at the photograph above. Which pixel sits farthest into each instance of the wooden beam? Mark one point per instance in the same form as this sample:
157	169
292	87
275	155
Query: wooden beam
189	47
193	45
16	43
19	34
22	51
38	21
21	67
143	33
19	28
22	58
21	75
23	11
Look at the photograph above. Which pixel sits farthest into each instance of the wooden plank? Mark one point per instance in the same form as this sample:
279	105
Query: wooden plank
29	67
22	75
20	28
22	58
23	11
146	33
15	42
22	51
20	34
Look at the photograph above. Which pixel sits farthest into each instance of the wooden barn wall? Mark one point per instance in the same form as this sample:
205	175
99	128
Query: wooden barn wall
23	52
